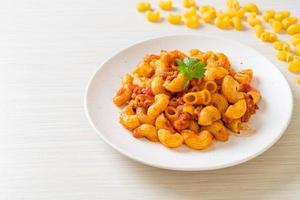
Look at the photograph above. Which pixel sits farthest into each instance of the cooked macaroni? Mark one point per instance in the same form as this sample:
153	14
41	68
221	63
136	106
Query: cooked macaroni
163	105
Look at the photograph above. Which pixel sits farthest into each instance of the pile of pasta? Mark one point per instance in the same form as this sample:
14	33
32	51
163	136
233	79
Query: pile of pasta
234	17
161	105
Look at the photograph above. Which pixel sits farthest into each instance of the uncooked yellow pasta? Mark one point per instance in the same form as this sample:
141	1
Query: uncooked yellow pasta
233	4
174	19
188	3
223	22
253	21
268	37
237	23
191	12
175	98
143	6
208	16
206	8
289	21
153	16
251	7
294	66
165	4
295	39
285	56
259	29
281	46
276	25
293	29
269	14
281	15
192	22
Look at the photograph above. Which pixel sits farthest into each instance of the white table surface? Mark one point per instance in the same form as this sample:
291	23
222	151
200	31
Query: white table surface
48	51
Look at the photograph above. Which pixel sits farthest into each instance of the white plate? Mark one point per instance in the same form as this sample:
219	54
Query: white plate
270	122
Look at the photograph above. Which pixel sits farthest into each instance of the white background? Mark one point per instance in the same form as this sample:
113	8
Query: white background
48	51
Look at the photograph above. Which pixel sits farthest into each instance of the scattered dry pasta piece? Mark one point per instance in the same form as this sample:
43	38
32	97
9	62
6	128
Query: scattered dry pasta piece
295	39
153	16
268	37
285	56
251	7
233	4
165	4
208	16
289	21
294	66
258	29
191	12
143	6
192	22
235	13
188	3
276	25
205	8
237	23
281	15
253	21
293	29
269	14
281	46
223	22
174	19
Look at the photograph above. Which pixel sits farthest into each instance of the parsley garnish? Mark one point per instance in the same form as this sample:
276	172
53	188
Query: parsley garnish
191	68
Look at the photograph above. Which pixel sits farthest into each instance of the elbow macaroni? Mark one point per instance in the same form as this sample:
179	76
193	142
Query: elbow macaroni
153	16
162	106
285	56
268	37
143	6
189	3
165	4
251	7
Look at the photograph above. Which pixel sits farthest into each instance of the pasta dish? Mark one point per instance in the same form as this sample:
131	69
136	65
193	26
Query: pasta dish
193	99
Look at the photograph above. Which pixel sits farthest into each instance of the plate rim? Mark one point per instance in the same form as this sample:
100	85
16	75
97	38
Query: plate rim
149	163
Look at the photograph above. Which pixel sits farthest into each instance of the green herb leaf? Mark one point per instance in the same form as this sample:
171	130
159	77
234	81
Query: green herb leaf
191	68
